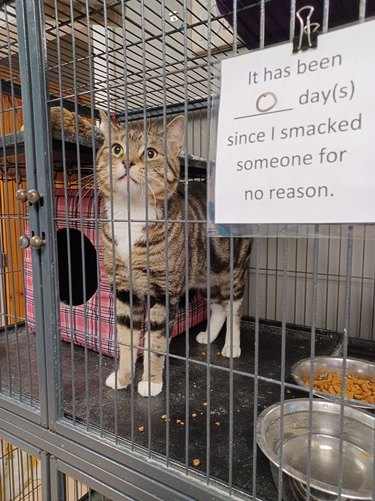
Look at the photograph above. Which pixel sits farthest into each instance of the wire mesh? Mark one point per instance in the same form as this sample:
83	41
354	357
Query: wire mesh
148	62
79	491
331	283
20	475
75	490
18	375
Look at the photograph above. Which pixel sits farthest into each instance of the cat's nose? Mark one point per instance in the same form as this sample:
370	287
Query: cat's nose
127	165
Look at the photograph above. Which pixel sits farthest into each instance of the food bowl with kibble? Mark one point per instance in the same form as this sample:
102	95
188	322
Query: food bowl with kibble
328	376
338	439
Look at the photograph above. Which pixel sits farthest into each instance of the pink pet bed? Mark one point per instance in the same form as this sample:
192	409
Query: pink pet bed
90	323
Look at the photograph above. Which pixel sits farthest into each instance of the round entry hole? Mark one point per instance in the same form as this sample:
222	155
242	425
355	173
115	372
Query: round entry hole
78	279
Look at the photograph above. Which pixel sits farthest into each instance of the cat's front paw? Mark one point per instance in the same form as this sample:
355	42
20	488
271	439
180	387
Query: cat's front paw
122	381
202	338
236	352
149	389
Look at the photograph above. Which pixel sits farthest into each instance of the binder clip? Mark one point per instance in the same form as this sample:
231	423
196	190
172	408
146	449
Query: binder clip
308	35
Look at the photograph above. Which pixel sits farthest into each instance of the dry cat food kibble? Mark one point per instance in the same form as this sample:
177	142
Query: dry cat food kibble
356	388
196	462
141	429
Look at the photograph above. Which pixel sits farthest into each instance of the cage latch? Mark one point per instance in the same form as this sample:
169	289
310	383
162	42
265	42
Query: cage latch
308	34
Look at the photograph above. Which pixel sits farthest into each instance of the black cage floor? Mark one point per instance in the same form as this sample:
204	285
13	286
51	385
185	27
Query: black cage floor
88	401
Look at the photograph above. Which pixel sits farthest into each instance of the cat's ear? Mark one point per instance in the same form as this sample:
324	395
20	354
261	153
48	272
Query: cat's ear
105	122
175	134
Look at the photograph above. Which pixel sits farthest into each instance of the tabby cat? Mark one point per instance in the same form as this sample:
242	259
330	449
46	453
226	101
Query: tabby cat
135	193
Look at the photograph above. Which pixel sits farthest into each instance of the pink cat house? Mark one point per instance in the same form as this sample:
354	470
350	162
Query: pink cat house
90	323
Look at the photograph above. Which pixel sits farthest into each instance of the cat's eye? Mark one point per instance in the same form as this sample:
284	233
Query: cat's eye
151	153
117	150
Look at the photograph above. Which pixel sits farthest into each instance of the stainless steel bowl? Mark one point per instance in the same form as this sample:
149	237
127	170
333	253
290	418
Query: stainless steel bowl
321	365
292	443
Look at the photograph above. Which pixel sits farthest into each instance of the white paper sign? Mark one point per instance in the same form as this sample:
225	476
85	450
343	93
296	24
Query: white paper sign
296	133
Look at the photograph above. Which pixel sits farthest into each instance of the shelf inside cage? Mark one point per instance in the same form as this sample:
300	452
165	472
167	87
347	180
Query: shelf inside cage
89	402
71	152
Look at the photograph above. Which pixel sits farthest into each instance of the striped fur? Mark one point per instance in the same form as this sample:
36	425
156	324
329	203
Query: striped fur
147	263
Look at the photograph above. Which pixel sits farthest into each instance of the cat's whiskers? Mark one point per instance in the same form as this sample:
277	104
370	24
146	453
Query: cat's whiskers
174	177
88	185
162	183
170	173
142	192
152	192
88	179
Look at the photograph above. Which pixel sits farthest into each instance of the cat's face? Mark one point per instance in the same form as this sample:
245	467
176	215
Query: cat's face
138	165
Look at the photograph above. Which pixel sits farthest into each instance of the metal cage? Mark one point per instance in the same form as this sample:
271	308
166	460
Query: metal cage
145	62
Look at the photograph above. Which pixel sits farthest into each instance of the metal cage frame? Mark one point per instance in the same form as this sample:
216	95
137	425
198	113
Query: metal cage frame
111	466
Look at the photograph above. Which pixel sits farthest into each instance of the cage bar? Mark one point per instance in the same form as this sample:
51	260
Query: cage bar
143	64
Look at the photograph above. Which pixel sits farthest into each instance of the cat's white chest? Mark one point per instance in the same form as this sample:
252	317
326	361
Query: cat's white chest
128	226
